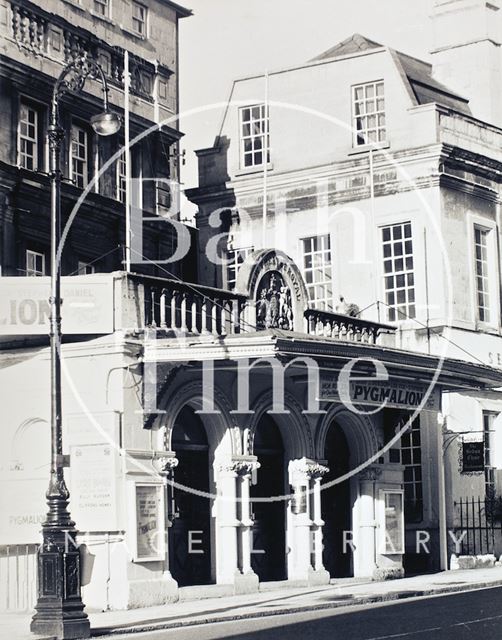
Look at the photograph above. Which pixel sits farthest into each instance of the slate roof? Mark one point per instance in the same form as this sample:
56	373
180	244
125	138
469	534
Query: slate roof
417	72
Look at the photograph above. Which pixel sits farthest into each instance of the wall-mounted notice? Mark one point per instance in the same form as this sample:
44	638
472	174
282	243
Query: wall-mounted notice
393	523
149	534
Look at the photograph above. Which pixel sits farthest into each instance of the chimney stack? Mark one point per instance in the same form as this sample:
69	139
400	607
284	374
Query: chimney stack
467	54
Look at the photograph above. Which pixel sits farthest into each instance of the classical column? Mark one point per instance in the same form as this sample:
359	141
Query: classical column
245	469
234	523
365	536
317	521
305	561
226	522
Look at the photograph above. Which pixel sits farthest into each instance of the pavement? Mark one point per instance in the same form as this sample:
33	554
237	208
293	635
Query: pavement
268	602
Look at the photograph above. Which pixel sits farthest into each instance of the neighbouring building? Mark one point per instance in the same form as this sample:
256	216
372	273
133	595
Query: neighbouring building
37	40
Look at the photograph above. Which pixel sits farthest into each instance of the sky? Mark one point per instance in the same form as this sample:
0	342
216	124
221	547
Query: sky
228	39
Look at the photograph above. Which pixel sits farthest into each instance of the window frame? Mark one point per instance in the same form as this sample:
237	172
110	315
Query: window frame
489	418
102	3
35	272
492	276
328	268
88	157
140	5
39	141
119	177
234	263
82	265
264	135
395	273
415	463
356	133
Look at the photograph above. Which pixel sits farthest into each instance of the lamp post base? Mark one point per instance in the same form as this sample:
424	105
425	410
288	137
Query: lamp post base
59	609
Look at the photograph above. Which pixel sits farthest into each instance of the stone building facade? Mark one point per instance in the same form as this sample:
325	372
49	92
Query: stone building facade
382	184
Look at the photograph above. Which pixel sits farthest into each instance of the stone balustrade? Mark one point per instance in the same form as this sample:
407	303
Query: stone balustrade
35	31
343	327
171	305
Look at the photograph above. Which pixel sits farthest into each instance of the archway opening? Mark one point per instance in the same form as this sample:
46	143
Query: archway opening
268	558
189	535
336	507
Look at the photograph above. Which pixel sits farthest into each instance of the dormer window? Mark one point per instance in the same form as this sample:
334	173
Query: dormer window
368	114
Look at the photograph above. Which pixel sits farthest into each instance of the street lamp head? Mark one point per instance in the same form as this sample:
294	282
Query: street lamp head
106	123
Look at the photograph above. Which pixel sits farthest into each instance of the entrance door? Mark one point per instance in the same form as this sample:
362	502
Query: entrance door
192	521
269	529
336	506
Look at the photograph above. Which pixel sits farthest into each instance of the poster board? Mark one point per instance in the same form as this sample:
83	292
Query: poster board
147	528
392	522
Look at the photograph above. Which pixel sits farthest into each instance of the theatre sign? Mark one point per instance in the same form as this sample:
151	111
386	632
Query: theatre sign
379	393
87	306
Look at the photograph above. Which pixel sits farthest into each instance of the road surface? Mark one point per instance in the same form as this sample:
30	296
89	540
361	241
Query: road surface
474	615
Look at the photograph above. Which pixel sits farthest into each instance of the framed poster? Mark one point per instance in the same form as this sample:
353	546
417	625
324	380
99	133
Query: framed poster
392	523
147	529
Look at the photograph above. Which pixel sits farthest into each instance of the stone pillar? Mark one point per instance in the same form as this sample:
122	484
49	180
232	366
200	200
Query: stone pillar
248	581
305	561
317	523
365	536
226	522
234	524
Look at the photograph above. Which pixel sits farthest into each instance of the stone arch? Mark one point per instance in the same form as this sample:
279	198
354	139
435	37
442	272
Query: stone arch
261	264
294	426
222	431
359	431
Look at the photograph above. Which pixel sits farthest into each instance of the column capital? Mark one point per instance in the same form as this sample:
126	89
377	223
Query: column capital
304	468
240	465
370	473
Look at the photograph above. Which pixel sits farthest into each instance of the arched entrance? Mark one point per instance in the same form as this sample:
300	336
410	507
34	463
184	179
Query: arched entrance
336	506
192	522
269	528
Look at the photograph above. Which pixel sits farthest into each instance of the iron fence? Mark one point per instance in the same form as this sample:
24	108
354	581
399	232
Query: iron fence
478	525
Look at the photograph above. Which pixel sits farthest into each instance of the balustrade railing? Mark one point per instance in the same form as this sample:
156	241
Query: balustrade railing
343	327
171	305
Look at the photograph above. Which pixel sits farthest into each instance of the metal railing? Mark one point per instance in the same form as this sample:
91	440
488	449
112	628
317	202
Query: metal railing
480	527
343	327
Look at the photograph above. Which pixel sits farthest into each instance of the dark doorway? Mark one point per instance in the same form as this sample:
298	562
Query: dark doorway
189	441
269	529
336	506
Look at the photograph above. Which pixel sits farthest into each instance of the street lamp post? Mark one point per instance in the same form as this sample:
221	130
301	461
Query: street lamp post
59	609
